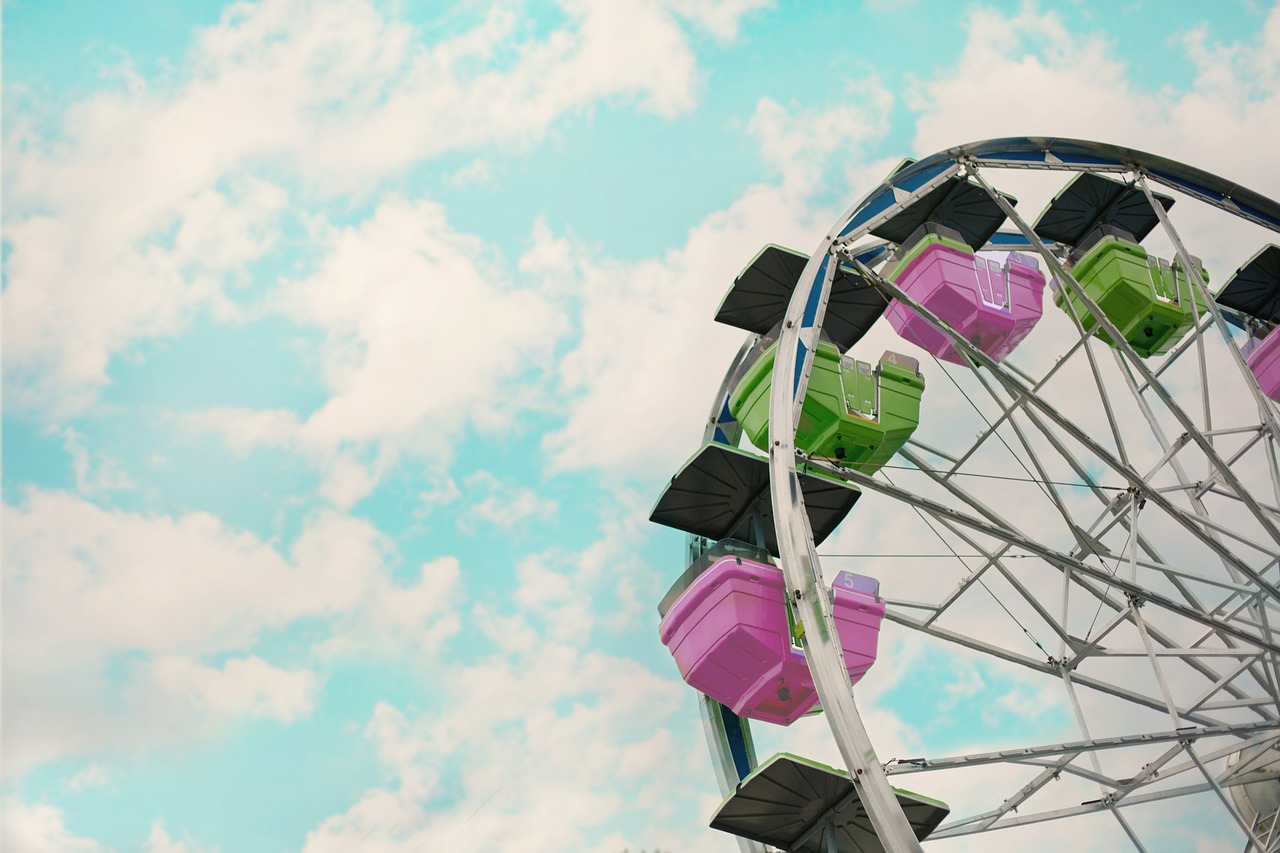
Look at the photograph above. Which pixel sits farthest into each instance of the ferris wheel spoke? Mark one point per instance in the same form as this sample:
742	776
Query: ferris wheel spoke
1045	667
1017	404
1196	663
1123	796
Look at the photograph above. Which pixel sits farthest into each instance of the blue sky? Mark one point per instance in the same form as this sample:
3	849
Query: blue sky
347	345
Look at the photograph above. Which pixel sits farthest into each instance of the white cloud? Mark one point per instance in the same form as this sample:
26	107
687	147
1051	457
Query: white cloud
502	503
799	142
222	230
94	473
128	221
441	490
75	298
968	684
423	333
347	480
425	337
93	776
403	620
1206	844
241	687
477	171
245	429
607	750
553	793
106	603
548	258
129	576
568	594
555	595
718	17
160	842
39	828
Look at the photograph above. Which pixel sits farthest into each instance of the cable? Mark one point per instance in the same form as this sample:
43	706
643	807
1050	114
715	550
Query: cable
980	581
1133	533
993	430
1011	479
935	556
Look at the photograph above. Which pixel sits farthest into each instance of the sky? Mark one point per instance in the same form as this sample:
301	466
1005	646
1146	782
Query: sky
347	345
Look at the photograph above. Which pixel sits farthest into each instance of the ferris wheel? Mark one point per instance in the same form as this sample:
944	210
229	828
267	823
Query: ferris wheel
1064	463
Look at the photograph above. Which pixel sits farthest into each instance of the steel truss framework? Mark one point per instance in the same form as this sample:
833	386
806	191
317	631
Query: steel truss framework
1150	554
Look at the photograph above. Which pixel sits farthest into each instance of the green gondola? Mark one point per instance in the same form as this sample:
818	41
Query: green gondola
1151	302
855	413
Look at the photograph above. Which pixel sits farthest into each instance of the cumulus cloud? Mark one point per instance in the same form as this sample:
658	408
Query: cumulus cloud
440	491
403	620
241	687
799	141
107	603
159	841
133	217
550	794
93	776
423	331
425	336
408	372
502	503
39	828
94	474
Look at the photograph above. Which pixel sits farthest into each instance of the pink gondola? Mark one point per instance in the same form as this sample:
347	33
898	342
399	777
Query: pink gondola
994	303
728	629
1263	358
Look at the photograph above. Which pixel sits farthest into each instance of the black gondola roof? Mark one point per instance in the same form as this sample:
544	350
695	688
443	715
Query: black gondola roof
716	493
1255	288
958	204
758	298
797	804
1089	201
